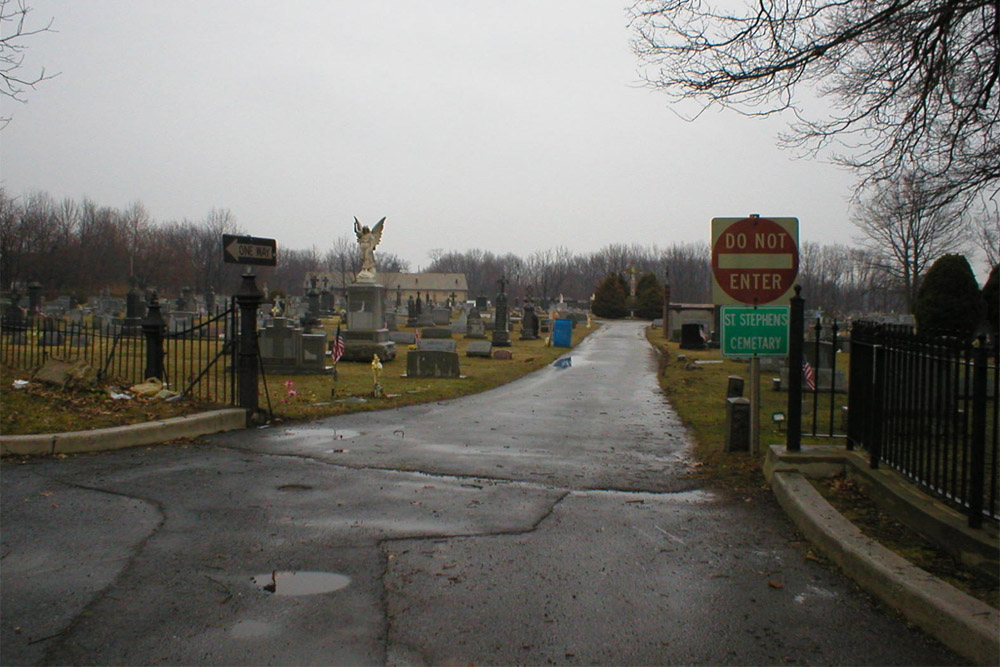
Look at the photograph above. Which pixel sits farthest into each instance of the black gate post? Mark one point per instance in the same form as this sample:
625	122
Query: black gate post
153	328
796	335
248	299
977	468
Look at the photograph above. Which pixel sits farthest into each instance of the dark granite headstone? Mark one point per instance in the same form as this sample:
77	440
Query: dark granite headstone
735	387
737	425
529	323
501	319
435	332
431	363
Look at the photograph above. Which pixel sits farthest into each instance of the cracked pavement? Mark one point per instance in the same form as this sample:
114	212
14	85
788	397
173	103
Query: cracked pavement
549	521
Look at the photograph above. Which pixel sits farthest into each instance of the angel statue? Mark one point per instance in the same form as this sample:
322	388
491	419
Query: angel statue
368	239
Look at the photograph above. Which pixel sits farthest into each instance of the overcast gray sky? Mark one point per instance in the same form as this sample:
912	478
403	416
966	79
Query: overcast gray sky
510	126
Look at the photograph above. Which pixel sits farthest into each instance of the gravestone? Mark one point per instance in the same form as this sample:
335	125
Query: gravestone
437	345
529	323
461	324
411	312
475	328
737	425
734	388
479	348
431	363
441	316
501	319
286	350
403	337
311	318
280	343
435	332
180	321
503	355
313	357
482	303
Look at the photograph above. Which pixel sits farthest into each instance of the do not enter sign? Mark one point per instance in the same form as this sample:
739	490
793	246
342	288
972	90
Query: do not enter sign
754	260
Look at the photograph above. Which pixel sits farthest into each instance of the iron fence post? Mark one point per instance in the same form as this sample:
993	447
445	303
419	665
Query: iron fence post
978	454
796	333
877	398
153	328
248	299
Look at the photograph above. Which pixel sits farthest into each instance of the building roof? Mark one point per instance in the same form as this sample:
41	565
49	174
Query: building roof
422	282
439	282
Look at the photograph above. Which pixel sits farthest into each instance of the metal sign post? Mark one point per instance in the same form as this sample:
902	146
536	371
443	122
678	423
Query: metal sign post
754	263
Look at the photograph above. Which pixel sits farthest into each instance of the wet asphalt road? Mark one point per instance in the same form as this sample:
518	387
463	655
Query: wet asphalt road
547	522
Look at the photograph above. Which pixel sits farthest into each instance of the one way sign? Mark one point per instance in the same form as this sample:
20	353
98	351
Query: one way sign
249	250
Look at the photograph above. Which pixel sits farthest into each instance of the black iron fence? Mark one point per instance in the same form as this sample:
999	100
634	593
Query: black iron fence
926	405
193	354
824	385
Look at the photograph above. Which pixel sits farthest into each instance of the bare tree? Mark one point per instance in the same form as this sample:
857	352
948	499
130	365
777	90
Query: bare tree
914	84
14	32
905	235
987	232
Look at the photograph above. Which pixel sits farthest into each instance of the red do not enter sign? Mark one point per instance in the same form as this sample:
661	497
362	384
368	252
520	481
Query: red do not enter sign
754	260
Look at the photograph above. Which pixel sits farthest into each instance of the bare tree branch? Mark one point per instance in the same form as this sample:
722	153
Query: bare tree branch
14	32
914	84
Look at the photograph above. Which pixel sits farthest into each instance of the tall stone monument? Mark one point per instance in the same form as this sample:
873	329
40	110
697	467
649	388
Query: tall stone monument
501	320
367	333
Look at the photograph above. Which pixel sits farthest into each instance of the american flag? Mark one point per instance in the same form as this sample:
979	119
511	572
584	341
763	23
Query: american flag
809	375
338	346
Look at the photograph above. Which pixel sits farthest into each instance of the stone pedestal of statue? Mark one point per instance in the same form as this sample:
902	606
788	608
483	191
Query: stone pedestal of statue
366	332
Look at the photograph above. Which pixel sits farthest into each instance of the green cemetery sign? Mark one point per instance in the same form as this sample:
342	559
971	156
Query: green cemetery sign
749	331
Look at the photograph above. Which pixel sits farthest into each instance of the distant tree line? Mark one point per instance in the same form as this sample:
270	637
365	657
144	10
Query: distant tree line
81	248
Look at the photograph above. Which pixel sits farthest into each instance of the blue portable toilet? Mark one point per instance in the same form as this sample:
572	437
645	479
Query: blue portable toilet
562	333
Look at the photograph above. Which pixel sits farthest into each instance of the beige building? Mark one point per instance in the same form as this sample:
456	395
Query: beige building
439	287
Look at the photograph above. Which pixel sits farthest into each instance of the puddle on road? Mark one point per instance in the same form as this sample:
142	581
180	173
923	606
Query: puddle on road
300	583
331	433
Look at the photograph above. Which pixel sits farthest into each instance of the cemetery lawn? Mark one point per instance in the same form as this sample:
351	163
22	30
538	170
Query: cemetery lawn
697	391
38	408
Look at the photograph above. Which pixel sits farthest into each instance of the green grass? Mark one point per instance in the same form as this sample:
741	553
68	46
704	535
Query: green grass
323	395
41	409
695	382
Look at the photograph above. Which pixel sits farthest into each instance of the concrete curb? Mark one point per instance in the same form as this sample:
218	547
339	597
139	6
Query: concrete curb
964	624
119	437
